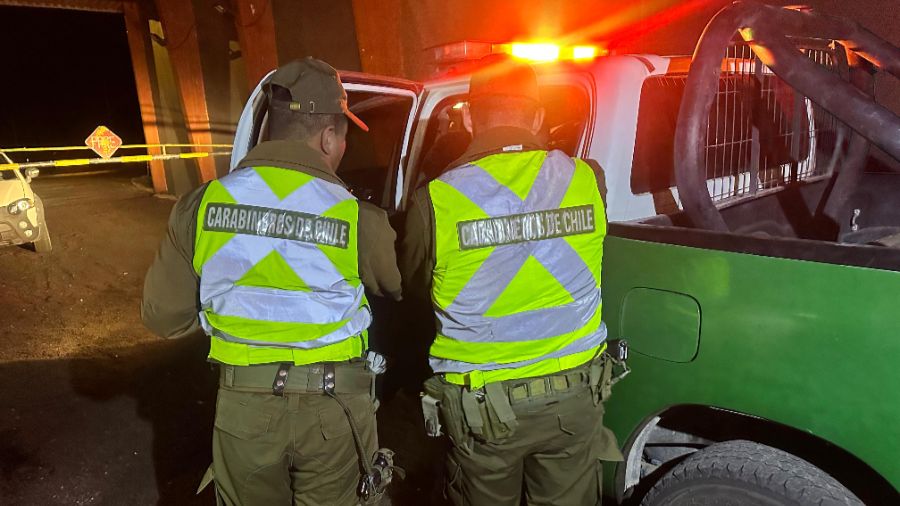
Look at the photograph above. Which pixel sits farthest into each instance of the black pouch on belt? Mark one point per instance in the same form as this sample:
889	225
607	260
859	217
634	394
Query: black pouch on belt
489	416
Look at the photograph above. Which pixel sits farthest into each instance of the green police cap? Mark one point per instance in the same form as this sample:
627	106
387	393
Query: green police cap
504	76
314	88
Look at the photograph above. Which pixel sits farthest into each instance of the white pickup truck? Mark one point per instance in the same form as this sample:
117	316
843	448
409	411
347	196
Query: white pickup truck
771	187
416	130
620	111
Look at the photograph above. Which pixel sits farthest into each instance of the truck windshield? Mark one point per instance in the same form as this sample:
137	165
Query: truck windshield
371	160
567	112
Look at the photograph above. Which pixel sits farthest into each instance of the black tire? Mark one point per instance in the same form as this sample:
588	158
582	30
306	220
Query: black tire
747	473
43	243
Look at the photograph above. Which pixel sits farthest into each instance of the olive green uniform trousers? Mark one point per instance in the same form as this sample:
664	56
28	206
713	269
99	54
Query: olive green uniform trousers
291	449
543	437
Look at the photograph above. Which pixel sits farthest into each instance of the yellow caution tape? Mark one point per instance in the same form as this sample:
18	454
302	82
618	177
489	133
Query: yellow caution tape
124	146
74	162
136	158
70	163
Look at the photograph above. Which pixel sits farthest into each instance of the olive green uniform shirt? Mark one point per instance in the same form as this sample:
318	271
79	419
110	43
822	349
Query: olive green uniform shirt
417	250
171	301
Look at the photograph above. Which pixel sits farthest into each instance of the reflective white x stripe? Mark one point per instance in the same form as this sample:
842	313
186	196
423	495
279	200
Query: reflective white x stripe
586	343
464	318
332	298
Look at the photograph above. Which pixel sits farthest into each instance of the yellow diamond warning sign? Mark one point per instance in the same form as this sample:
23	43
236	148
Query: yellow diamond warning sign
103	141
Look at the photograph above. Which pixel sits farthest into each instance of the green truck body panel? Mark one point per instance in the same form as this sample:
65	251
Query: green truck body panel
810	345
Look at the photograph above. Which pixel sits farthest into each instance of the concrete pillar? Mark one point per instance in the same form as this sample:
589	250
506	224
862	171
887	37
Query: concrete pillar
324	29
277	31
198	35
138	29
181	175
379	29
256	32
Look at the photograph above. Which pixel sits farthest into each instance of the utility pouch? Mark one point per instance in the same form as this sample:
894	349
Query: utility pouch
601	378
474	411
431	413
502	418
450	410
489	416
603	373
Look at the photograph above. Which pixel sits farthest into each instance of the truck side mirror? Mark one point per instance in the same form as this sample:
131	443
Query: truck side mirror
31	174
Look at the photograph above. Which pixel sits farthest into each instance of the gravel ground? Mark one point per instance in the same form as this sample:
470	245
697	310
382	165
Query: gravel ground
84	297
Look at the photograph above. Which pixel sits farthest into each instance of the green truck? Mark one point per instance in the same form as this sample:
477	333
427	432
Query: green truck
764	313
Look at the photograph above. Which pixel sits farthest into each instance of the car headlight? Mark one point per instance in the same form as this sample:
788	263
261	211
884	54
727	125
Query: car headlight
19	206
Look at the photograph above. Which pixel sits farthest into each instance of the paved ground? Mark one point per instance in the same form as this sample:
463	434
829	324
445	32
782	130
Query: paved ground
94	409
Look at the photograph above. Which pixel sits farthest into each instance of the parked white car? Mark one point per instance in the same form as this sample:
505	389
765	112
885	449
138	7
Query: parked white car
22	212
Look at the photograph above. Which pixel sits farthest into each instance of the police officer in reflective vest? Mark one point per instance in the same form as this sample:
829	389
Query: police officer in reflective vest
508	245
271	262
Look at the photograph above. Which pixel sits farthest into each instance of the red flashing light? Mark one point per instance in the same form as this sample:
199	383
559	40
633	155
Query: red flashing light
534	52
585	52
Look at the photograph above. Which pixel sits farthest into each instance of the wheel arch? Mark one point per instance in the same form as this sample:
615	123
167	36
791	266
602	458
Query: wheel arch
686	428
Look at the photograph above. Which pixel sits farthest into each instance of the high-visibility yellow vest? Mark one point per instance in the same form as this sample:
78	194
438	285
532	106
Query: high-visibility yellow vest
276	252
516	283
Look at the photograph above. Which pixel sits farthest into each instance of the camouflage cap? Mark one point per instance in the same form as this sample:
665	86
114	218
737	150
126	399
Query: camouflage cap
314	88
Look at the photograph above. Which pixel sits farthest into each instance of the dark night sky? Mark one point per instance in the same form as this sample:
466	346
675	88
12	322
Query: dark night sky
64	73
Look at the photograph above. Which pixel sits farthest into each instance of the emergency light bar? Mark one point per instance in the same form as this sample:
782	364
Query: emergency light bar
535	52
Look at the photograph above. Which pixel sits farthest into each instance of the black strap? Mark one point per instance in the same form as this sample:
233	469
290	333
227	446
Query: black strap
365	467
328	378
280	381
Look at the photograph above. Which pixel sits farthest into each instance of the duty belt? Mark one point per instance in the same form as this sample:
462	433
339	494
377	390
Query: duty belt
519	390
350	378
331	379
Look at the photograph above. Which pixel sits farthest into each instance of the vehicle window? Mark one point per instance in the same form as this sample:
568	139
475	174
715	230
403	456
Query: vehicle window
446	139
7	175
567	111
742	105
370	163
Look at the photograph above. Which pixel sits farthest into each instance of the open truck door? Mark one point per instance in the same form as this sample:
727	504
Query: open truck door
374	164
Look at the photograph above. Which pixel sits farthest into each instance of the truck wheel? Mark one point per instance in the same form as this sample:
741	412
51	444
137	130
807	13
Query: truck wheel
746	473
